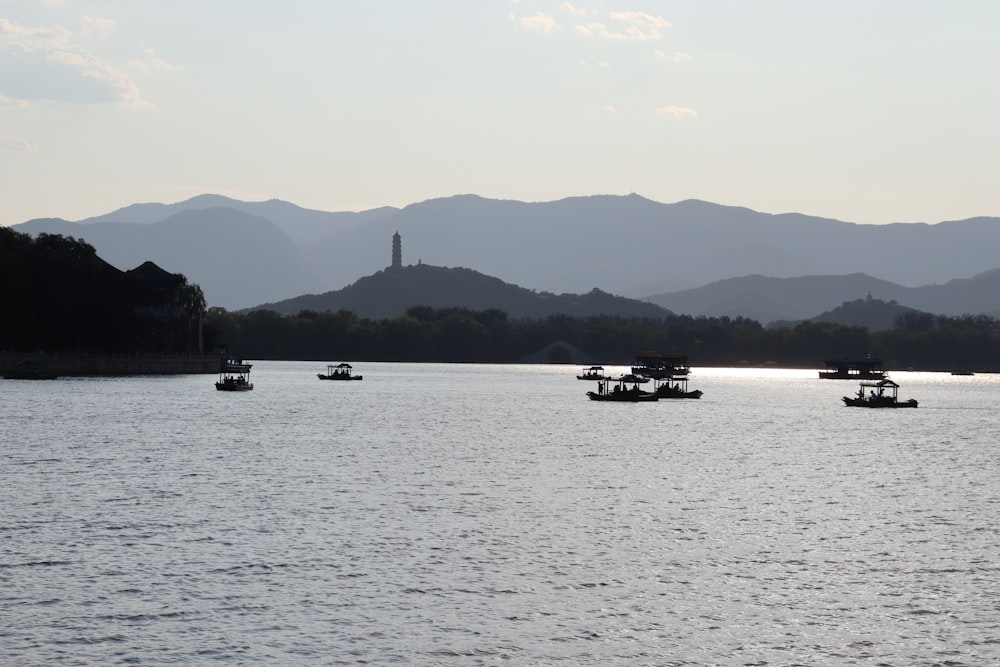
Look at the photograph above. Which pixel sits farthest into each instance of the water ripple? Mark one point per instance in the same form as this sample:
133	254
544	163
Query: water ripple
455	515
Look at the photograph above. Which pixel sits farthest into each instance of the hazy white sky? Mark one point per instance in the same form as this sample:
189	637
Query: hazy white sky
869	111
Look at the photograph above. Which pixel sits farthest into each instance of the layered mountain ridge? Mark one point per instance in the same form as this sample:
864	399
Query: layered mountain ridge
691	257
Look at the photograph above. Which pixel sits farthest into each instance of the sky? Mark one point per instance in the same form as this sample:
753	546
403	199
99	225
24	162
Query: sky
867	111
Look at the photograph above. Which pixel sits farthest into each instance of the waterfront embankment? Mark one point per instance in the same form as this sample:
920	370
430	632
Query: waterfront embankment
87	364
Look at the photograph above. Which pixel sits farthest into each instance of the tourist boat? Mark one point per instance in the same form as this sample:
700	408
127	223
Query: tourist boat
592	373
338	372
844	368
880	394
675	388
234	375
625	389
659	365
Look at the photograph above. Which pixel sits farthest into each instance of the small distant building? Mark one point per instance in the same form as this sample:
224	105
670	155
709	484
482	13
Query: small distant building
397	251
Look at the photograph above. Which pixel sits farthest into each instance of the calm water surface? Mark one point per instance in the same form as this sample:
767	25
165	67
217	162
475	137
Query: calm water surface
462	514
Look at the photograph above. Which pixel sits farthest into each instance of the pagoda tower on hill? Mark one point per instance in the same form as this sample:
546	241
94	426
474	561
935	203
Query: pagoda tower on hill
397	251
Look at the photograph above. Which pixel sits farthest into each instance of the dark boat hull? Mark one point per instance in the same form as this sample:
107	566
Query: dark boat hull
838	375
624	396
668	392
878	403
321	376
234	386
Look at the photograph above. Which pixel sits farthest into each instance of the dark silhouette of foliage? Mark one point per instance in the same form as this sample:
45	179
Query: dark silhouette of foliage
58	295
428	334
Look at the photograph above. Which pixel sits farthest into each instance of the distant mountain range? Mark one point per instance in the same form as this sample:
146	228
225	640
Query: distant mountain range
236	258
247	253
771	299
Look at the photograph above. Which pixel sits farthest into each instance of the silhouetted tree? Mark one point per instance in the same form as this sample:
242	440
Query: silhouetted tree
58	295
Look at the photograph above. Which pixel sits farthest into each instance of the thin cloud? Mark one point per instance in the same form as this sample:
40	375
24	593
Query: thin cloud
674	111
16	144
45	63
539	22
574	11
677	56
95	27
9	102
153	62
640	27
641	19
630	34
109	82
629	26
589	29
42	37
161	64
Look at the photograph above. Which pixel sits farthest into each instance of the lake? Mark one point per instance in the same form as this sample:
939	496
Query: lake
437	514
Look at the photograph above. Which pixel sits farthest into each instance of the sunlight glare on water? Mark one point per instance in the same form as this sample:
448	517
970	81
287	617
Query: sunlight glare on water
475	514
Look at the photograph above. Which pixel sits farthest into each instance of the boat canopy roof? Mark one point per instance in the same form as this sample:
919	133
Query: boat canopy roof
661	356
847	362
236	367
886	382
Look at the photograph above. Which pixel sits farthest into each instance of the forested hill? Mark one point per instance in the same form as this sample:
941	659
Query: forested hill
58	295
390	292
873	314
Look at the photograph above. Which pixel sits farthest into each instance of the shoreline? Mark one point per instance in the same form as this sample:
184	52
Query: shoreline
49	365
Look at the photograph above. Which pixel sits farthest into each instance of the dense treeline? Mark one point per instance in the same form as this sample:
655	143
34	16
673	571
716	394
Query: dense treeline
461	335
58	295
